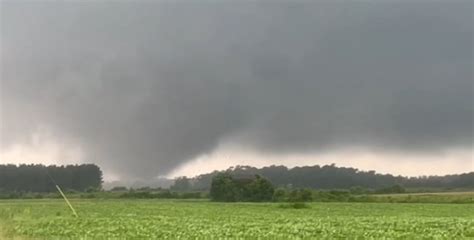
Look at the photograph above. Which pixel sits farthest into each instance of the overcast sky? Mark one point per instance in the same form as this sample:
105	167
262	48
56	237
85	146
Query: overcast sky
147	88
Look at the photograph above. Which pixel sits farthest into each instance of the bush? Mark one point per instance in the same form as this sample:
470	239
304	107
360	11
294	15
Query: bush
306	195
300	195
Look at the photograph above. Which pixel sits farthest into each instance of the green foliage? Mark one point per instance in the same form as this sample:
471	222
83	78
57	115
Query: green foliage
294	196
34	178
279	195
332	196
305	195
163	194
393	189
358	190
294	205
186	219
258	190
454	197
91	189
333	177
225	188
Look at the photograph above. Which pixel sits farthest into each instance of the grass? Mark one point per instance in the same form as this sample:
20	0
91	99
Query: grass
440	197
295	205
181	219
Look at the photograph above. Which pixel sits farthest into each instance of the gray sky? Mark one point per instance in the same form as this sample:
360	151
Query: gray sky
144	87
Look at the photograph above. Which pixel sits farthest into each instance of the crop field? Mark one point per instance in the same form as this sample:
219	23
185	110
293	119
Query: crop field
165	219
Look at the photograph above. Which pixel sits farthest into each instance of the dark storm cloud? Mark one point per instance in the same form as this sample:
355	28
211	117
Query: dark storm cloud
146	86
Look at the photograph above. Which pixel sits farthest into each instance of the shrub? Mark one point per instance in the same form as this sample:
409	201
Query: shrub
300	195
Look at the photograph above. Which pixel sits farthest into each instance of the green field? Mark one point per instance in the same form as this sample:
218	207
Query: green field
132	219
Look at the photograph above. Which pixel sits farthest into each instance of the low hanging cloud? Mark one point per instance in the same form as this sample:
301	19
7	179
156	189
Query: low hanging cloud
143	87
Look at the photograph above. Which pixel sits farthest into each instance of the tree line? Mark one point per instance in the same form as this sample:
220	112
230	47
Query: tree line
226	187
34	178
328	177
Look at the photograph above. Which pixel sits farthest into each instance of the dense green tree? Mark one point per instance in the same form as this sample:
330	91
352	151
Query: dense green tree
259	190
40	178
226	188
